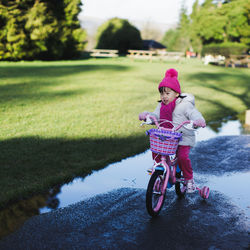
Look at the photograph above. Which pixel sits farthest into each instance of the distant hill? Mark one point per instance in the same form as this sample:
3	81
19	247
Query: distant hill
149	29
91	23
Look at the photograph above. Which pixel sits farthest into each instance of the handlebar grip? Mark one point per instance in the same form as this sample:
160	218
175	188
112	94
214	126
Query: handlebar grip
154	120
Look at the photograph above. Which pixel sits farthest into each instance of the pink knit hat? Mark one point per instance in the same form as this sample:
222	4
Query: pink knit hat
170	80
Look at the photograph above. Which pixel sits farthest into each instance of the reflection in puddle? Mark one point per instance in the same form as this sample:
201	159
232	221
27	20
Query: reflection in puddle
13	217
227	128
130	172
234	185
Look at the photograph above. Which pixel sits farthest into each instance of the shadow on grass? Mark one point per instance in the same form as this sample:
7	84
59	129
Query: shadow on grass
223	83
239	80
223	113
28	92
54	70
34	82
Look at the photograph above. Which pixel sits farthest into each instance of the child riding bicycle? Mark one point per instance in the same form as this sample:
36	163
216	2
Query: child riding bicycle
177	107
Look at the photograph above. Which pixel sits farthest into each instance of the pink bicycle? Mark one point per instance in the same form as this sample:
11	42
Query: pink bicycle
166	173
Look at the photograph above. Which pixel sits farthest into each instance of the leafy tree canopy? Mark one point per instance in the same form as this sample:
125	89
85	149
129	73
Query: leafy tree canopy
40	29
170	38
226	23
213	22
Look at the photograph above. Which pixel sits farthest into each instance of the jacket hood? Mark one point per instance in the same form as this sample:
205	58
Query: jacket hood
187	98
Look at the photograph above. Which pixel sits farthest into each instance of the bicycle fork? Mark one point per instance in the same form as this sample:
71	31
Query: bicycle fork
166	175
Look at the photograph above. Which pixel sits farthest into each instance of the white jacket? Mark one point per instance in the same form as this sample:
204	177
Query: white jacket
184	110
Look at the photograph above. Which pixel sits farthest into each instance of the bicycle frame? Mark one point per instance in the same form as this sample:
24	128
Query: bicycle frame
168	167
166	162
165	172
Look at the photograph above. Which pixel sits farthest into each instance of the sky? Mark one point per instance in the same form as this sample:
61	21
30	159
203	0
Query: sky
162	11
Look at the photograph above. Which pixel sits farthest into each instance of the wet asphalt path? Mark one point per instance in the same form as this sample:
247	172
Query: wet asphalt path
118	219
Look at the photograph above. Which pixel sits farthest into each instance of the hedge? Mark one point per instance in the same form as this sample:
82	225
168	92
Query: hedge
225	49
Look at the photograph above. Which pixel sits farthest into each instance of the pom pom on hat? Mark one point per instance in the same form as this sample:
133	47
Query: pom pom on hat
170	81
171	73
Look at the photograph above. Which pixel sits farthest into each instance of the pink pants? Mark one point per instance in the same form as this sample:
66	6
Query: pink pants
183	161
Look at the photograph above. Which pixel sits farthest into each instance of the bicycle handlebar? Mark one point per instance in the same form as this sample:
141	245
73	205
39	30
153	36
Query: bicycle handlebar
150	118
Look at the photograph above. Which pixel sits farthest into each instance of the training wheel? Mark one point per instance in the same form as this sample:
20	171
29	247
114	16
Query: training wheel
204	192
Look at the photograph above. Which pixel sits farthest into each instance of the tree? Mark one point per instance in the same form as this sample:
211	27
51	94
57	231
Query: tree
40	29
118	34
40	26
208	4
170	38
12	34
179	39
228	22
238	21
195	40
213	22
71	36
183	42
212	28
244	30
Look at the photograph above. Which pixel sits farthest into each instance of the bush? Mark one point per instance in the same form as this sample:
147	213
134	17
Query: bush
225	49
118	34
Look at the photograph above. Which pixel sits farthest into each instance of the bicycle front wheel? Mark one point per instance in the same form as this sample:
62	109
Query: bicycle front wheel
155	195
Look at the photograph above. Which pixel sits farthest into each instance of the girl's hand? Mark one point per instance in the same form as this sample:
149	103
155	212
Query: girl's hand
199	123
142	116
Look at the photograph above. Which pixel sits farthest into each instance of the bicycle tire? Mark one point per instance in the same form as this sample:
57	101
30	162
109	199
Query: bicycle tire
179	186
154	196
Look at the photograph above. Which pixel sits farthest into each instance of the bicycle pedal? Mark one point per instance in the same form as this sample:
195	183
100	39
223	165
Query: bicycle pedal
150	170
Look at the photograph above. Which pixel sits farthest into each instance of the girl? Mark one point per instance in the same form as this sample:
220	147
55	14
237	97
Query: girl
178	107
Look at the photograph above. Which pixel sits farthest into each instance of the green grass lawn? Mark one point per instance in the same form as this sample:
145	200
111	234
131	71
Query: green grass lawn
64	119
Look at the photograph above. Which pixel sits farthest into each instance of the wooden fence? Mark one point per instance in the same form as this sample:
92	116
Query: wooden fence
232	60
104	53
238	60
155	54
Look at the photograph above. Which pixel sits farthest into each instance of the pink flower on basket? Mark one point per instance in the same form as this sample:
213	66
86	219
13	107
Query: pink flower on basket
199	123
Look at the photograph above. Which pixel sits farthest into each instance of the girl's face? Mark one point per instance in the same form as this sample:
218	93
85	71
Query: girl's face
168	95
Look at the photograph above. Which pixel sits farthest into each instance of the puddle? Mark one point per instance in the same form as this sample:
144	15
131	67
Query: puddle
130	172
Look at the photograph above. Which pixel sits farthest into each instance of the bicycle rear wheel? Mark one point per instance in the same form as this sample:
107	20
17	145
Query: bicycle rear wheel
155	196
180	188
